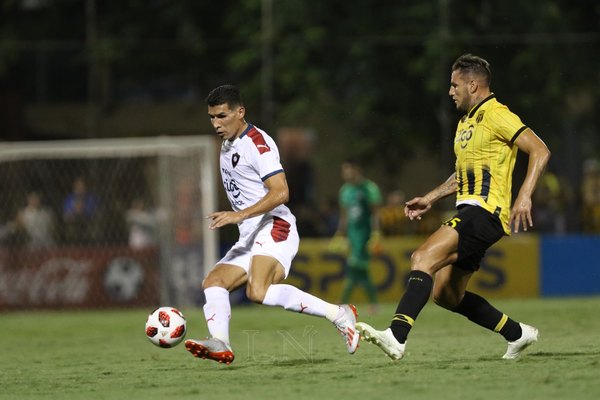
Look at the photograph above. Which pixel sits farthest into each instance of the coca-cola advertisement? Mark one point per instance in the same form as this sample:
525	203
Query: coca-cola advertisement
78	278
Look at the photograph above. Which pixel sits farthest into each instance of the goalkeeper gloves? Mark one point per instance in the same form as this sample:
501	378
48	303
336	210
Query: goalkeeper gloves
338	244
374	243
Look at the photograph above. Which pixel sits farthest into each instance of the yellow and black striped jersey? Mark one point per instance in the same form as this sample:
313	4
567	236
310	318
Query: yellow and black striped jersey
485	157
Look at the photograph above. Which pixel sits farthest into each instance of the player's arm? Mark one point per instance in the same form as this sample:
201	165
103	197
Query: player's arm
418	206
374	243
343	218
278	193
375	217
530	143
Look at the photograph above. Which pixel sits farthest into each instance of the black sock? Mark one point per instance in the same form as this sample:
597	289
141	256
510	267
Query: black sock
478	310
412	302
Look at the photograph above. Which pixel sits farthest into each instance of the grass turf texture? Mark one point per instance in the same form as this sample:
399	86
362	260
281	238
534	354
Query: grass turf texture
104	355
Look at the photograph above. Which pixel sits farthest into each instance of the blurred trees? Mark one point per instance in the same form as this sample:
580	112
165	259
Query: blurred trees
370	76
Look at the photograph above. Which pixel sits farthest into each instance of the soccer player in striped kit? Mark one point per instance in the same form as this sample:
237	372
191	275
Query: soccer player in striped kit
257	189
487	140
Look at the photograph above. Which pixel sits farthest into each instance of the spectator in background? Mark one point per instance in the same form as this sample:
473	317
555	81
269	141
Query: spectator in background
79	214
38	222
550	199
391	215
590	192
13	234
296	146
143	225
80	201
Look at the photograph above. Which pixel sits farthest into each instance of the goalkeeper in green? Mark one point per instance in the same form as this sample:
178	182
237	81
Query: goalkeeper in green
358	230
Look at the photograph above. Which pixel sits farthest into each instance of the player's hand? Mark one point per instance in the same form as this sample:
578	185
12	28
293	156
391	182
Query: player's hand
222	218
374	243
338	244
520	214
416	207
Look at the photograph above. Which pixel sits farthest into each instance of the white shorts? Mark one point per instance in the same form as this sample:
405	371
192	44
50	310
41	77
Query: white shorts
274	237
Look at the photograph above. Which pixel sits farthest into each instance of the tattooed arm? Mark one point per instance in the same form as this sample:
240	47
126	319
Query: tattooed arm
418	206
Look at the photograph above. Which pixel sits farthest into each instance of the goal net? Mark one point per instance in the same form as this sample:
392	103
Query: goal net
106	223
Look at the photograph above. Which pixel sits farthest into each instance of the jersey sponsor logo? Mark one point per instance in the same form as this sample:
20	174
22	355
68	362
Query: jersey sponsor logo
225	171
231	187
464	136
235	159
259	141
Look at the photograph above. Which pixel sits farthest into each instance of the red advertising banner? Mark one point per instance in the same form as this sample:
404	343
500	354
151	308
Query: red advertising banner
93	277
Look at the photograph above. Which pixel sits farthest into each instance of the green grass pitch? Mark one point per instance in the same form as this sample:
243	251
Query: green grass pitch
282	355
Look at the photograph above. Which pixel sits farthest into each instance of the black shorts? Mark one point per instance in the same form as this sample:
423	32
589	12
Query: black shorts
477	230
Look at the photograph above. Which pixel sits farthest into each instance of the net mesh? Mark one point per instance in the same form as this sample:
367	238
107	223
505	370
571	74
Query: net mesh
113	223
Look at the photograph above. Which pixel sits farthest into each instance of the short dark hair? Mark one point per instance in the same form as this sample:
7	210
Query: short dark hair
225	94
470	64
352	161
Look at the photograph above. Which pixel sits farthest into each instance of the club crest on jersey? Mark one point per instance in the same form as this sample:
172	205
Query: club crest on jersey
235	159
480	116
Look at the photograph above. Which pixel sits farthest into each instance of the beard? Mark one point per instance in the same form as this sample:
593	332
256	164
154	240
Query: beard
464	105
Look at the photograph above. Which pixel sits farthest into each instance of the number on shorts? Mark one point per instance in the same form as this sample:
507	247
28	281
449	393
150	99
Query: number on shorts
452	222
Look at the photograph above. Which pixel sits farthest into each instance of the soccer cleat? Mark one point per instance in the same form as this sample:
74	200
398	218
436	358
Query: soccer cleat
528	337
385	340
346	326
210	348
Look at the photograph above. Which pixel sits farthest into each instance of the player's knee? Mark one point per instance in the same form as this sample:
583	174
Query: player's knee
256	293
419	262
212	280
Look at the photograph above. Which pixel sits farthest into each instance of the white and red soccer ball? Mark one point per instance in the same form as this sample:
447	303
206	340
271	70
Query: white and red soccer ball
165	327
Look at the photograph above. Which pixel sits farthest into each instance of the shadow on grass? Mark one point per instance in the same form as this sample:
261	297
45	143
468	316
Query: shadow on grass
544	354
565	354
244	364
300	361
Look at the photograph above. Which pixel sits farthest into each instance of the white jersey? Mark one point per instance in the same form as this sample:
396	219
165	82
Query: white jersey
245	164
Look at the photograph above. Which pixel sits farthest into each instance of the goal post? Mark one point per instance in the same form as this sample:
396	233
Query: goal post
106	222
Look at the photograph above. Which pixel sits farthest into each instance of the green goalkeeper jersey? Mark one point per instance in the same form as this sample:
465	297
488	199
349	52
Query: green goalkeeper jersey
358	200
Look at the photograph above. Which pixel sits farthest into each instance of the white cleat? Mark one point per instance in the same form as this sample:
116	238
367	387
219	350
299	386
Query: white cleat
528	337
346	326
385	340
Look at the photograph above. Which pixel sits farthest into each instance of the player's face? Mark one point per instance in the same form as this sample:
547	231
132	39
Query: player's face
459	91
349	173
228	123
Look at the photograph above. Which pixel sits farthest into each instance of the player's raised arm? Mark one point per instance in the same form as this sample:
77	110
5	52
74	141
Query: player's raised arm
278	193
530	143
418	206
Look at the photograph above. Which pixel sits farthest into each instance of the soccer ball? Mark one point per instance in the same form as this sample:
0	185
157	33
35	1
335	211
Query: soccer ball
165	327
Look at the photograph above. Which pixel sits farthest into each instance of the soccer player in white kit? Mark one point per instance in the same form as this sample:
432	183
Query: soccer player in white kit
257	189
